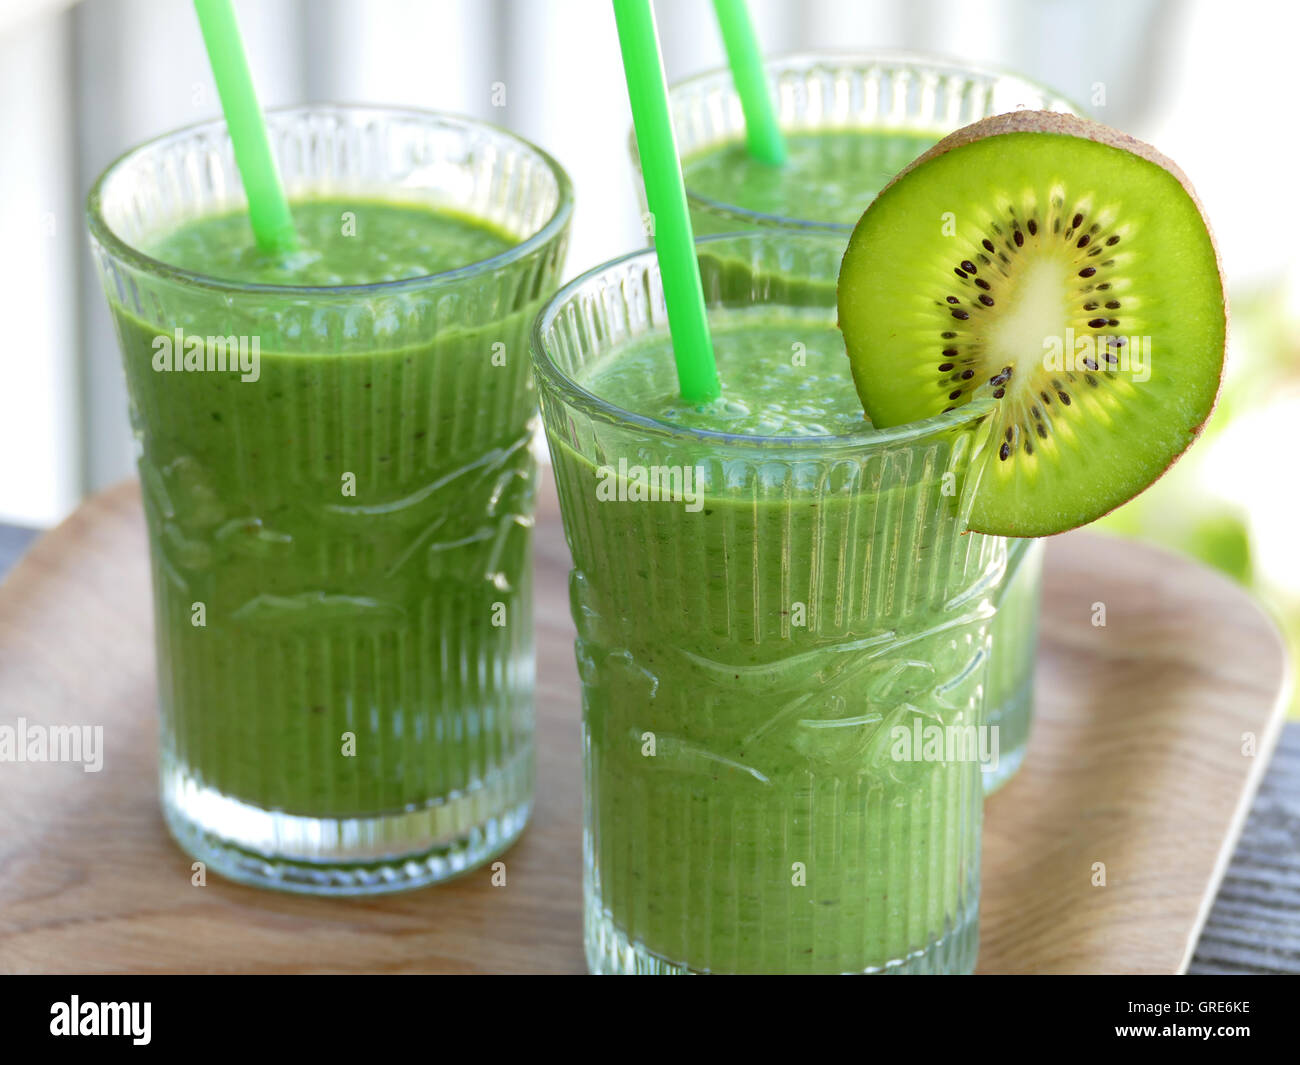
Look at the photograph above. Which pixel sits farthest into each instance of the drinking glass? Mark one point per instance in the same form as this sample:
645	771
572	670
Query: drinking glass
340	547
755	669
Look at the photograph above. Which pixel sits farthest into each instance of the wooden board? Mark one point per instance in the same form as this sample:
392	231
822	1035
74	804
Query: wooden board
1135	763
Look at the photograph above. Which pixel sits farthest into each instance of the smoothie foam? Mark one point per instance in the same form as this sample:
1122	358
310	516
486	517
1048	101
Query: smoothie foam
829	176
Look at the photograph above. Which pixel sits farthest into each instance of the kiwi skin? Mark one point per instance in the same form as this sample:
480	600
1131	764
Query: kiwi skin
1055	122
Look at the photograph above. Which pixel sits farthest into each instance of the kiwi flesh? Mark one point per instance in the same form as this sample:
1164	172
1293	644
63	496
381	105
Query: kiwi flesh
1065	271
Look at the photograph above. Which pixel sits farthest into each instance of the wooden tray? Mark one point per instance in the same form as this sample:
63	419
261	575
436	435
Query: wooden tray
1136	763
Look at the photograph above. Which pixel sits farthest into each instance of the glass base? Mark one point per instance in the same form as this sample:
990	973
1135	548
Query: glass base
347	856
1012	720
611	953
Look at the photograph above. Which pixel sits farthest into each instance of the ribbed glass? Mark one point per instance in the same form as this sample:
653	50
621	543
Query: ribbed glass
353	711
1015	649
744	665
882	93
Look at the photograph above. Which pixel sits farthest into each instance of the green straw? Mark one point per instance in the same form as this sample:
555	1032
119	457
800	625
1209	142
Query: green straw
762	134
268	210
666	197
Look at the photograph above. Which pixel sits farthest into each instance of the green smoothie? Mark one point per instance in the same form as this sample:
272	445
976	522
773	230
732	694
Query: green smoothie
341	242
355	523
829	176
747	661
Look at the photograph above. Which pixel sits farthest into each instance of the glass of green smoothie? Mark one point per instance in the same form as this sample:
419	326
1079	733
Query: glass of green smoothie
334	457
783	633
851	122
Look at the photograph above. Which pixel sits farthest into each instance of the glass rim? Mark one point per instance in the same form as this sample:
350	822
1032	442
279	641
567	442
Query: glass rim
854	58
594	406
122	250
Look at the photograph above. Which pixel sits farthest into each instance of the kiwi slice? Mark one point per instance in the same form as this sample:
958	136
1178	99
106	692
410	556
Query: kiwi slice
1066	271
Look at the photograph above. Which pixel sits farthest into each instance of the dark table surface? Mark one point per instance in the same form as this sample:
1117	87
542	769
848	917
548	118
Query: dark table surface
1254	926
